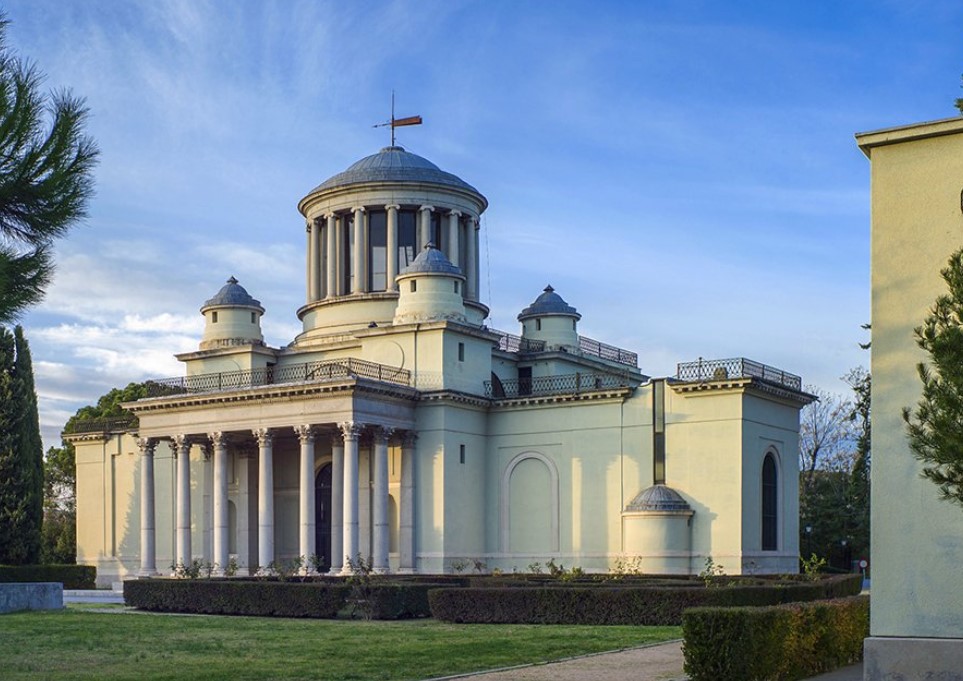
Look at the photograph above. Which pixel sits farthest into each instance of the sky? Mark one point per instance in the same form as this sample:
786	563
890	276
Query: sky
683	173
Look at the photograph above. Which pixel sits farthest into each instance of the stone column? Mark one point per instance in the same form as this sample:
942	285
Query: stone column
148	535
392	246
207	516
221	525
265	499
246	509
314	284
424	228
453	234
379	550
351	431
331	289
406	534
471	267
339	249
182	451
306	539
308	251
359	285
337	504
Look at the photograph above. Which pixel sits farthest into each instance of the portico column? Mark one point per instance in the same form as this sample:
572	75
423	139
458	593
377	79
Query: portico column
406	534
392	246
357	262
331	289
265	498
453	232
308	251
307	541
314	284
471	267
379	552
350	549
337	504
221	540
148	537
424	227
182	451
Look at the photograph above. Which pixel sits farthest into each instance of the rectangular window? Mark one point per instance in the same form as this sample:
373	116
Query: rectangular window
214	317
658	432
538	324
254	317
407	236
461	453
524	380
456	287
414	285
461	352
377	250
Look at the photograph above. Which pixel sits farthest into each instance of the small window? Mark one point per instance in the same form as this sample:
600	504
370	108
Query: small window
573	325
254	317
214	317
770	507
414	285
538	324
461	352
456	287
461	453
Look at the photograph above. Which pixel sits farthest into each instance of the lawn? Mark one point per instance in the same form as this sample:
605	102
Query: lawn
109	644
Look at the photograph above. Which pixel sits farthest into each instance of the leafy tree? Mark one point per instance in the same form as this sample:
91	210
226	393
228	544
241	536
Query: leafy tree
935	427
959	102
46	164
21	454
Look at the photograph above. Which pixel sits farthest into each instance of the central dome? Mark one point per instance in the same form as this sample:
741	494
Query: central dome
393	164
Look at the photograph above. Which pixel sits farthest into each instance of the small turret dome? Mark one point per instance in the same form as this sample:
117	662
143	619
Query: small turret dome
232	294
430	289
432	261
548	303
659	498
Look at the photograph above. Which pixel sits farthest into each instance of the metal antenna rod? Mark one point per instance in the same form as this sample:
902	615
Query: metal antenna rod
397	122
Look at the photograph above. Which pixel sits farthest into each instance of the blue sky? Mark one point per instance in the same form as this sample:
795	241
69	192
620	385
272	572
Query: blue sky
684	173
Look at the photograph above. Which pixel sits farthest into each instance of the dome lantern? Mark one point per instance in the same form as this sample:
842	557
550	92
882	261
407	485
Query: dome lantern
430	289
550	319
231	317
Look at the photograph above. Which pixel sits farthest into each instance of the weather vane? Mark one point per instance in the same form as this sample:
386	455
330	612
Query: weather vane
397	122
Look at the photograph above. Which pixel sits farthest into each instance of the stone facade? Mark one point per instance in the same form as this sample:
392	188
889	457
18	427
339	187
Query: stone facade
399	428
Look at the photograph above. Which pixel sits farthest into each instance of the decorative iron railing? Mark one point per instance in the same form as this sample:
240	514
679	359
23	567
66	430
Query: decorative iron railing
309	372
101	425
552	385
738	367
509	342
605	351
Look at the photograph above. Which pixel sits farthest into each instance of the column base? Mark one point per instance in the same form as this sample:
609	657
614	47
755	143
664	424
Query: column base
912	659
406	571
381	571
145	573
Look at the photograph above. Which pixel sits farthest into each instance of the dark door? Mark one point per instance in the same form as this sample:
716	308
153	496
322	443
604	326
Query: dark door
322	517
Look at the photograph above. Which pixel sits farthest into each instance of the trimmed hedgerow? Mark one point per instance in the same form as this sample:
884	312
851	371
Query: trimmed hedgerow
616	603
229	597
396	600
71	576
778	643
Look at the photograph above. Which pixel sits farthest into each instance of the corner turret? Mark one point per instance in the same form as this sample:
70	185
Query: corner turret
552	320
232	317
430	289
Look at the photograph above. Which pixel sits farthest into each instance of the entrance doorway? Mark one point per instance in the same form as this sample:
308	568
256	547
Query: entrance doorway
322	517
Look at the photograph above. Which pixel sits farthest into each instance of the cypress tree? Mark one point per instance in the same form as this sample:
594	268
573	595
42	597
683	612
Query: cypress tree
13	502
30	446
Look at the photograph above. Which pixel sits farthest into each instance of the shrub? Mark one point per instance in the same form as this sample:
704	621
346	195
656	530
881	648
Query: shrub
71	576
230	597
779	643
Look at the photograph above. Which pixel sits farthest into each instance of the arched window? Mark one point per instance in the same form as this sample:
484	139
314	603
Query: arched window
770	504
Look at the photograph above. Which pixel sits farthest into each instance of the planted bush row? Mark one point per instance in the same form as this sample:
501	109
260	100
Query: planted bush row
622	604
779	643
71	576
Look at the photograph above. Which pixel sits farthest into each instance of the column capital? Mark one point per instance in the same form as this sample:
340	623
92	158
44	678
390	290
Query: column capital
381	434
358	209
146	445
455	213
392	206
182	444
473	222
305	434
427	208
408	438
351	429
217	438
308	224
265	436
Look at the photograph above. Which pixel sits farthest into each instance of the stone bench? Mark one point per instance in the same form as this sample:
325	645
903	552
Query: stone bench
16	596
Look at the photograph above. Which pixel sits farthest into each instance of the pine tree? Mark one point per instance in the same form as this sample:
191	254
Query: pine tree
935	428
45	177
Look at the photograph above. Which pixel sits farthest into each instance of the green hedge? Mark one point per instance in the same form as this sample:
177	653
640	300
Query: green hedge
394	601
72	576
779	643
637	604
229	597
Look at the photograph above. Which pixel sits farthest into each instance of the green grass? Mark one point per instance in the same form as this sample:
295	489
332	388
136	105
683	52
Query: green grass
110	645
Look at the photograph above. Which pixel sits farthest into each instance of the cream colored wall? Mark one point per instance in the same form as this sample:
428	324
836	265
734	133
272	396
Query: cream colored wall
917	547
556	331
231	323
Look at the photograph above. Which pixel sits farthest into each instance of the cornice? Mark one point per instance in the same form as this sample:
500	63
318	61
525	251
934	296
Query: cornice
743	385
612	394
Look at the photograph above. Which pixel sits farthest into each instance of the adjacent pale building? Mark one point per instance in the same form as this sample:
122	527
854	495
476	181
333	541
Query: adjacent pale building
917	540
397	427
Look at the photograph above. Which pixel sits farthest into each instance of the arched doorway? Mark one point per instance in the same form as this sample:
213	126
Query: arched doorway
322	517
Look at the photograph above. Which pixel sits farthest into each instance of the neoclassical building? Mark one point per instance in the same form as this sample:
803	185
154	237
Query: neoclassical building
399	428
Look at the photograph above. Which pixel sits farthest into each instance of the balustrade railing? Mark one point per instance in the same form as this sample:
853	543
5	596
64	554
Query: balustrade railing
609	352
738	367
509	342
309	372
552	385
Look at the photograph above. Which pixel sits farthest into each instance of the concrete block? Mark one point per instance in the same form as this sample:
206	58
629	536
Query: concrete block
15	596
912	659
